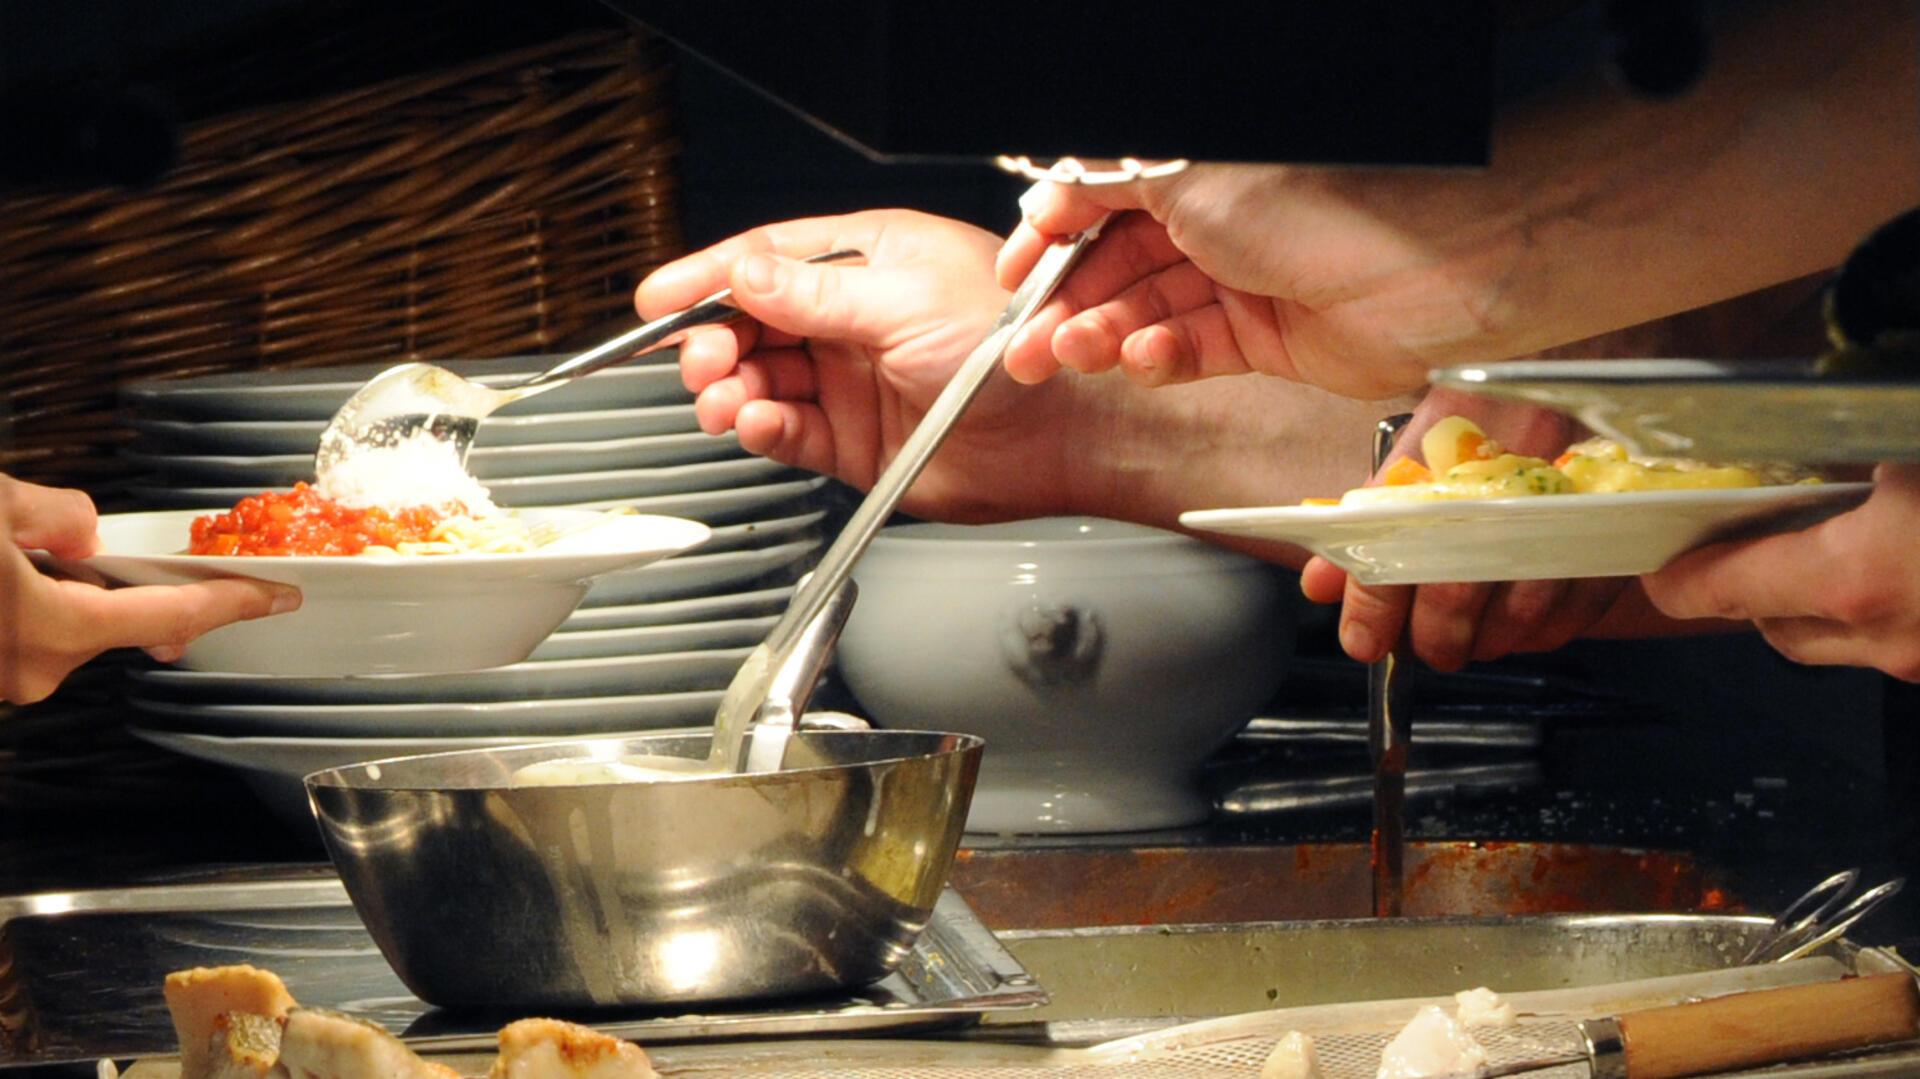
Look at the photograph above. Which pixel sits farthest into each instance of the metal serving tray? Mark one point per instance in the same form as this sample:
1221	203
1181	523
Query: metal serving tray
81	973
1113	981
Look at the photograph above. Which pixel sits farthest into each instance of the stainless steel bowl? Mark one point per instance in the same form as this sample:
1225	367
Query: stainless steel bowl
813	878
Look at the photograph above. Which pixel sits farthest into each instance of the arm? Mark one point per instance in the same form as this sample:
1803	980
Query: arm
1599	211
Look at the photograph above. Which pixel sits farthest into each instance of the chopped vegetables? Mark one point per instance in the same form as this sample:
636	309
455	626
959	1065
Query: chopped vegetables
1462	462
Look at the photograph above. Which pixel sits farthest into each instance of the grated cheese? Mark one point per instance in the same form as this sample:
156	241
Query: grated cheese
419	470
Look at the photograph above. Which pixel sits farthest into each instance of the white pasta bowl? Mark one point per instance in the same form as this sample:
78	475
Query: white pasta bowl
1102	662
367	615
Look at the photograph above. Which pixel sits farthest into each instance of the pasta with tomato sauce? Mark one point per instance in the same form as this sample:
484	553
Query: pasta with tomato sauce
305	522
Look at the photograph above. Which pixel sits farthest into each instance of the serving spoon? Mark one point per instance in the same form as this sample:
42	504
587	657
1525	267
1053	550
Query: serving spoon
402	401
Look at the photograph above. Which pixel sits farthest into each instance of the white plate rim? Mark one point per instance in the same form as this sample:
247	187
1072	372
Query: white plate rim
1467	509
684	535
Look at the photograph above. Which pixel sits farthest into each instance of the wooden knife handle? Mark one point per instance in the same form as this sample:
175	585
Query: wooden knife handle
1770	1025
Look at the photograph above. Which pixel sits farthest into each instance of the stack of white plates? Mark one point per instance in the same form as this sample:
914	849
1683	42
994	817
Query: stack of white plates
650	649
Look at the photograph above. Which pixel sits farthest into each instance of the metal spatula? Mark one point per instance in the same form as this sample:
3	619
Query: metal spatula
413	397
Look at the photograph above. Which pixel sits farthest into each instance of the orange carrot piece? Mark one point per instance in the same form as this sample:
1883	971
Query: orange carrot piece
1319	502
1405	471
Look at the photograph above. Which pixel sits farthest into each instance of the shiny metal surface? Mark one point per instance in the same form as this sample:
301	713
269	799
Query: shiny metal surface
80	972
1344	791
1824	913
1606	1047
1227	969
749	686
718	887
1755	410
1389	732
792	687
389	407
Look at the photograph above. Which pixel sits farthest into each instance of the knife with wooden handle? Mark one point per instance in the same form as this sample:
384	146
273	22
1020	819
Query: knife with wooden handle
1744	1029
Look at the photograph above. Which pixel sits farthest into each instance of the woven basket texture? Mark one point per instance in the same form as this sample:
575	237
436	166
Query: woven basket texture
503	206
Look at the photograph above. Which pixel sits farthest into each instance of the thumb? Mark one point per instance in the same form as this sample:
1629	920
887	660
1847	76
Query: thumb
172	615
859	304
59	520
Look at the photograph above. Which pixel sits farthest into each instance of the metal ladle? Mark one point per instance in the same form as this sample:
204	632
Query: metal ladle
748	690
413	397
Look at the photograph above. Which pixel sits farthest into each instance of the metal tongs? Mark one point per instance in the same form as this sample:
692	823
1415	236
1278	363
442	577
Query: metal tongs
749	688
1820	917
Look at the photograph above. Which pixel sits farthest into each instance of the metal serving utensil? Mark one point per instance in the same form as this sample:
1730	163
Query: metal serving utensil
413	397
1820	917
749	686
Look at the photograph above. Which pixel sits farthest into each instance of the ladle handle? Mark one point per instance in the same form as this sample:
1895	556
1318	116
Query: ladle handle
651	335
873	511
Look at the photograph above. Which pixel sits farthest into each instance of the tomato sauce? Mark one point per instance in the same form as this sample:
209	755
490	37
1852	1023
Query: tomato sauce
303	522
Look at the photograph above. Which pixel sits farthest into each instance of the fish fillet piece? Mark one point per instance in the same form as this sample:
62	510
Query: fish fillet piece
319	1044
1293	1058
244	1046
197	999
551	1049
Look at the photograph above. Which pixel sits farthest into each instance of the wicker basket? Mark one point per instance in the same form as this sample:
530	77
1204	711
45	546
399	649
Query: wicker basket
505	206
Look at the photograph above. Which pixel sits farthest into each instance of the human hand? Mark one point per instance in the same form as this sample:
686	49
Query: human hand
48	627
1846	591
841	361
1347	280
1449	624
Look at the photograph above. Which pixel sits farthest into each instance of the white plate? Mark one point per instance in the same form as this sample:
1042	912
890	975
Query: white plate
373	615
1756	410
762	601
317	393
491	464
525	720
703	574
301	436
761	533
734	505
619	486
724	506
1520	539
274	768
614	676
646	640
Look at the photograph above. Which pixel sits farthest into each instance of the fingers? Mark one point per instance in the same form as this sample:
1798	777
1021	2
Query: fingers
861	304
1443	621
687	280
1371	618
1131	251
169	616
793	433
61	521
1540	616
708	354
1771	577
1450	625
1827	642
782	375
1322	581
1050	211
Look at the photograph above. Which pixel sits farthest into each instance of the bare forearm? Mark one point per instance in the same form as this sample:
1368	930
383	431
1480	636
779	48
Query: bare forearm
1602	210
1243	441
